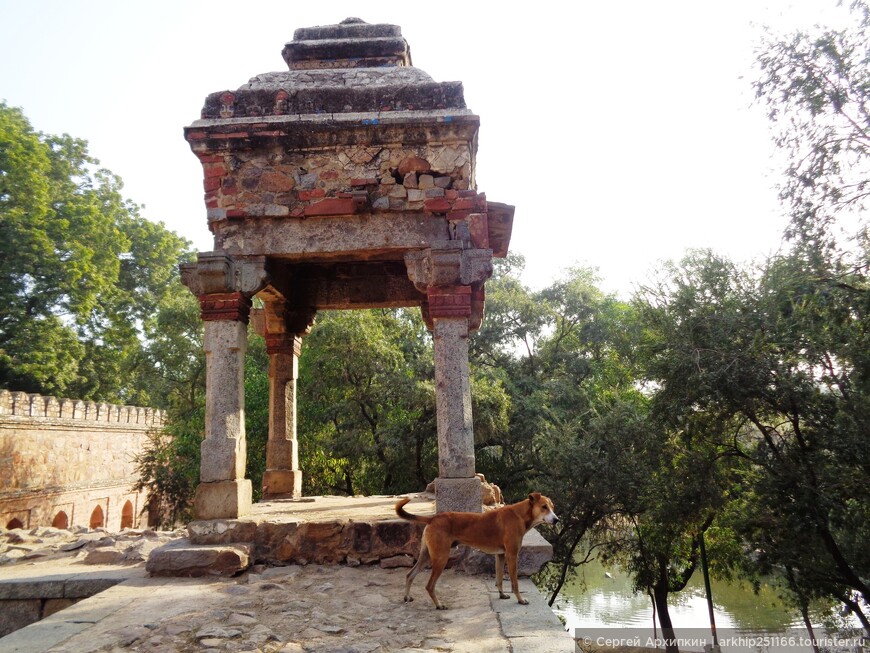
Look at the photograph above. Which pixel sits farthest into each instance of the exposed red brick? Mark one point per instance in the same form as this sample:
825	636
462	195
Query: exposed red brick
329	174
214	169
196	136
437	205
235	213
451	194
211	183
210	158
332	206
463	204
314	193
363	181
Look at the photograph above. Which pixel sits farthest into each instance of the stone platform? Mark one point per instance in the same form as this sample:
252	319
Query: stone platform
352	531
295	609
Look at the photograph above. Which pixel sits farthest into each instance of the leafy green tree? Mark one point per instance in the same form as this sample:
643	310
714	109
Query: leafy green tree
366	403
773	366
82	274
564	356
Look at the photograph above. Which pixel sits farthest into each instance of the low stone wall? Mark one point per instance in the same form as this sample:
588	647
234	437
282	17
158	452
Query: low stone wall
67	463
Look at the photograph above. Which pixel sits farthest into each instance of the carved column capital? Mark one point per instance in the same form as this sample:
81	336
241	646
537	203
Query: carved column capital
217	273
448	264
225	306
283	343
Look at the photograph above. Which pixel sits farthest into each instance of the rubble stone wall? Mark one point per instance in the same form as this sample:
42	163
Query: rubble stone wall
338	180
69	463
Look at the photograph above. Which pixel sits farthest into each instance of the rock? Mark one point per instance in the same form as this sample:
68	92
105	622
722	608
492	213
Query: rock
217	631
413	164
72	546
397	561
104	557
292	647
181	558
239	619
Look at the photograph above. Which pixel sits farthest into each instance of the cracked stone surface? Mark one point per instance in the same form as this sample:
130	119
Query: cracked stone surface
298	609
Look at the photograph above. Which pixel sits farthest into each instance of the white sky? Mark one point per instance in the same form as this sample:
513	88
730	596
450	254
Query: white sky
622	132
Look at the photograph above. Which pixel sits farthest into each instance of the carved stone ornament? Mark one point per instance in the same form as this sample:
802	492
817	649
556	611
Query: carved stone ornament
448	266
215	272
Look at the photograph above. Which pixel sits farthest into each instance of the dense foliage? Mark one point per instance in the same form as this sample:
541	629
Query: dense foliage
83	276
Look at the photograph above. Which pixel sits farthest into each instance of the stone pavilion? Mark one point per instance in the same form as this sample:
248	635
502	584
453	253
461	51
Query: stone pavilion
345	182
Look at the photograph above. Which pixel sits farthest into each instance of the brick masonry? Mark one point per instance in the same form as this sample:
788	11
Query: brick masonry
70	463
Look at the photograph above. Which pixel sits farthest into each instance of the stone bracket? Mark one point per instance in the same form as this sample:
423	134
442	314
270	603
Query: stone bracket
448	265
217	273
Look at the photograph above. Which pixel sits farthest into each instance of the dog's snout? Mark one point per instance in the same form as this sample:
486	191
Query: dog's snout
551	518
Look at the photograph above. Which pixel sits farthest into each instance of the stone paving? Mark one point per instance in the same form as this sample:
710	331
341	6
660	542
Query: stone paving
291	609
296	609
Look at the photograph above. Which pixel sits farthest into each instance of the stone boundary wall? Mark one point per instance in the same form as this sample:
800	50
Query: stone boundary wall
69	463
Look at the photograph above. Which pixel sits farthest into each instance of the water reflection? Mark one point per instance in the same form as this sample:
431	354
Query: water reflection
602	598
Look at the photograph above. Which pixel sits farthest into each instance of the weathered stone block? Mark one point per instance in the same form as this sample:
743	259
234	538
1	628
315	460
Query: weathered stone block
181	558
458	495
223	499
221	531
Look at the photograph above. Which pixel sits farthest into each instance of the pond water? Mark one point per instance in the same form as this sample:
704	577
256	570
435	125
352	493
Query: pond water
603	598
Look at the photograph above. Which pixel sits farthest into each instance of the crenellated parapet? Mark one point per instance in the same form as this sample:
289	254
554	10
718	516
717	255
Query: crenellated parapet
23	404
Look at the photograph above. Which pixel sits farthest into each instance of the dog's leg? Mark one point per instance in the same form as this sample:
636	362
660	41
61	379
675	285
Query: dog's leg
439	561
422	559
499	575
511	554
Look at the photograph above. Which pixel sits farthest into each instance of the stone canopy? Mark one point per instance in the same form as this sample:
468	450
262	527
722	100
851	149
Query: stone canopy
347	181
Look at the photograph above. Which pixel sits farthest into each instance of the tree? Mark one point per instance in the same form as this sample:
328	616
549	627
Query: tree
773	367
563	354
366	403
82	274
815	85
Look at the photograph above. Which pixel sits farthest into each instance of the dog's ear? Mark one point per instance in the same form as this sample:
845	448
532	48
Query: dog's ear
534	496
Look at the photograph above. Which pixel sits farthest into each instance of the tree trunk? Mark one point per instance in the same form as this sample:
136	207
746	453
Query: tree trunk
805	614
855	609
660	596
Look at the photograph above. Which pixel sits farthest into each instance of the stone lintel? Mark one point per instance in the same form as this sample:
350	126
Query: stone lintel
223	499
332	239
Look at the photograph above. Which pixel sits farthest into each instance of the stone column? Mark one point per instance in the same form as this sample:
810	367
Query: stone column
452	278
282	478
224	492
457	487
224	287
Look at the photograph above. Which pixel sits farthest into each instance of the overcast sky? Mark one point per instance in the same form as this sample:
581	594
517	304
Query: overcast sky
624	133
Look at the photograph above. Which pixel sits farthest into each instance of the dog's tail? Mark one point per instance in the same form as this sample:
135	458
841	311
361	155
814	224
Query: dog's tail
401	512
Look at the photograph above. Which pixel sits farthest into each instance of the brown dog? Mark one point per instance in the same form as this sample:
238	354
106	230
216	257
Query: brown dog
499	532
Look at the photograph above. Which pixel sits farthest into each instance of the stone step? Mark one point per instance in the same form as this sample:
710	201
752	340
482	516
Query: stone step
184	559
